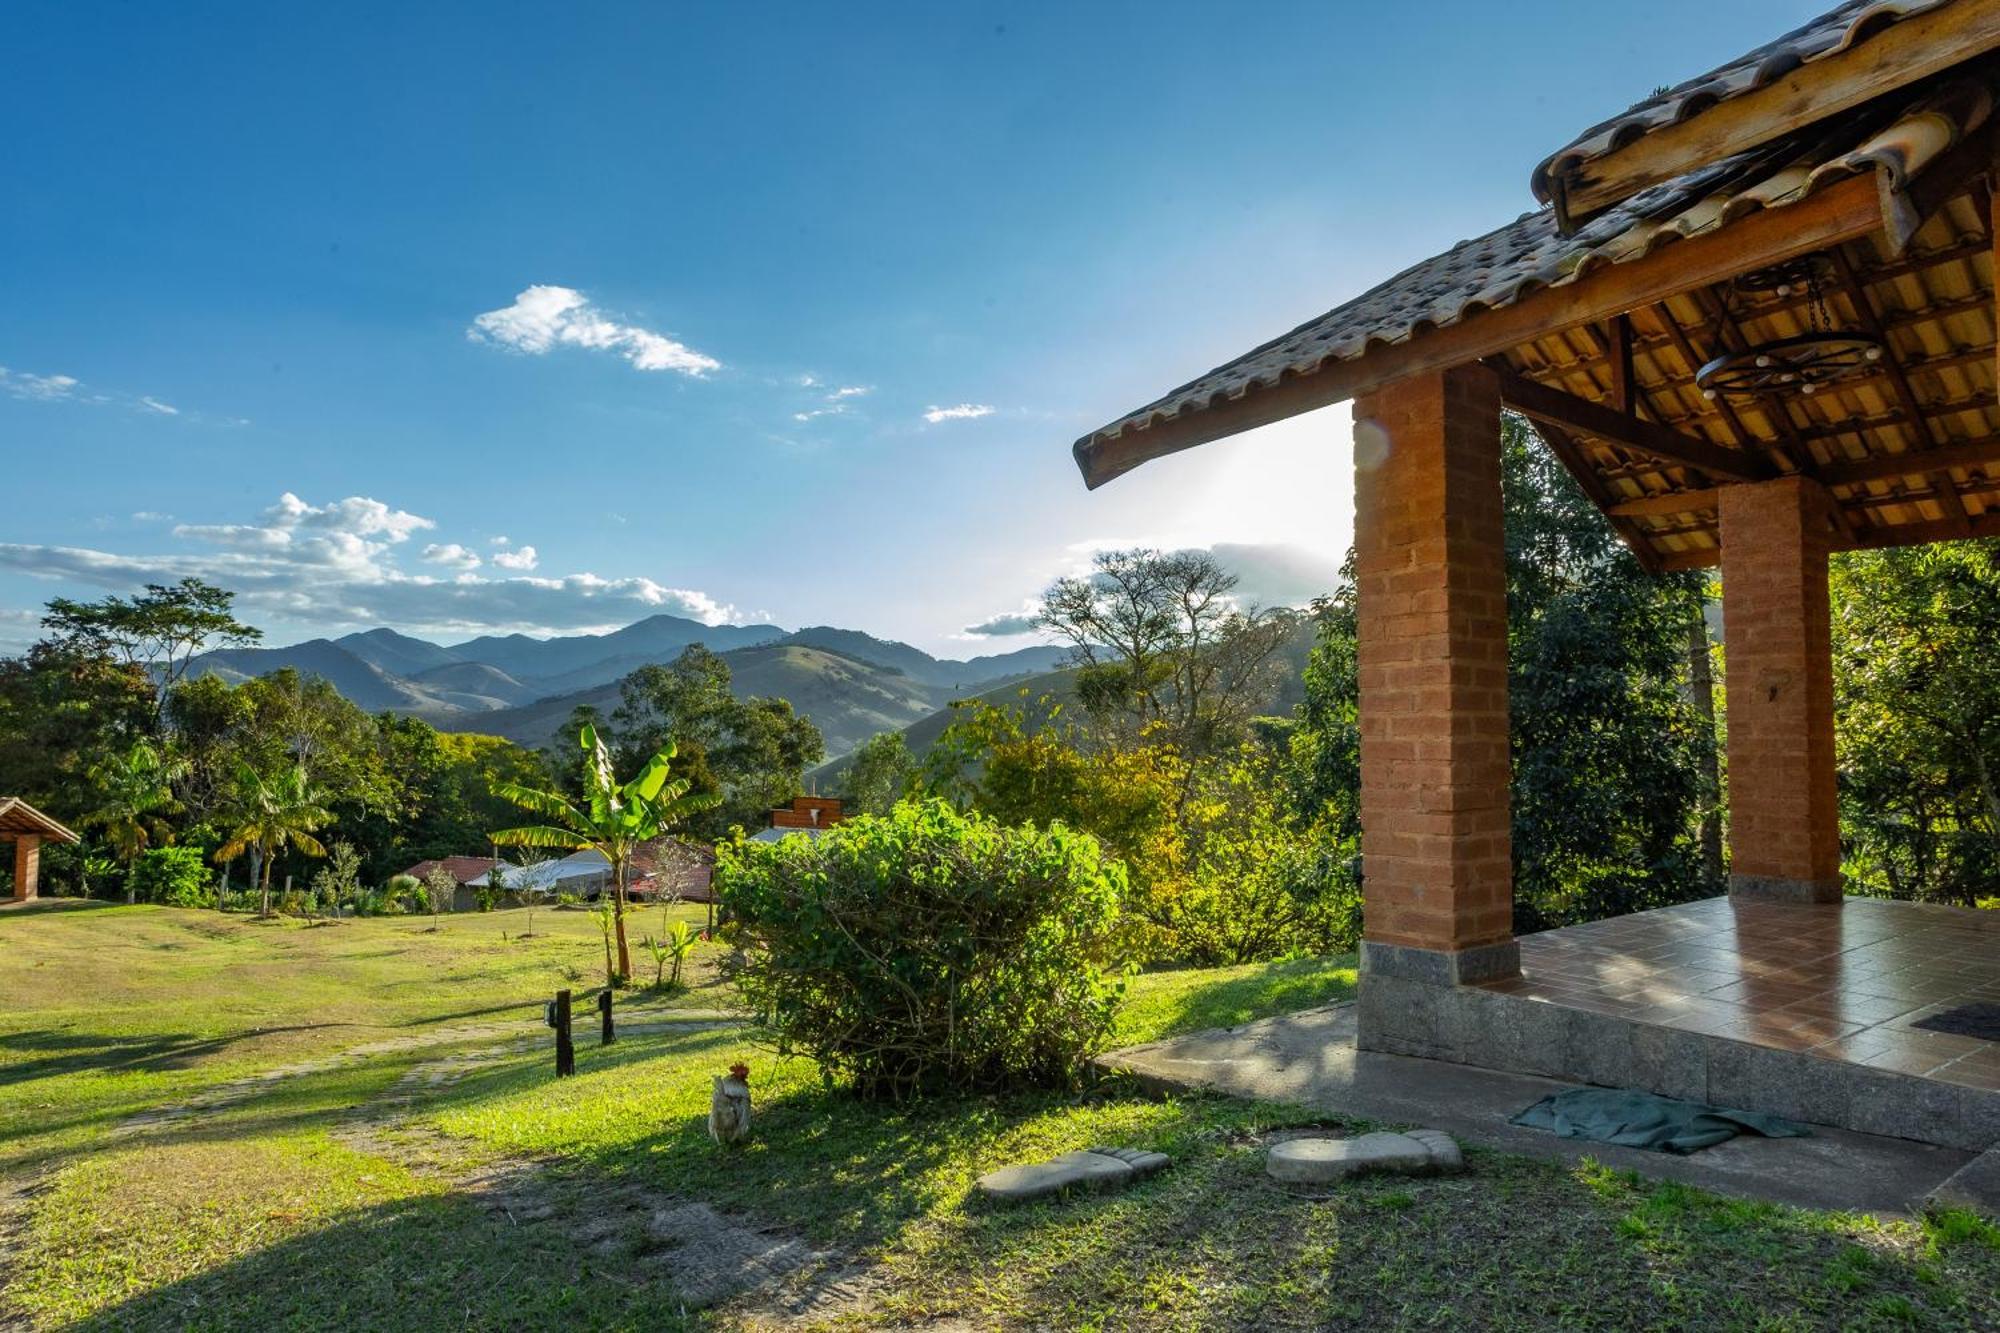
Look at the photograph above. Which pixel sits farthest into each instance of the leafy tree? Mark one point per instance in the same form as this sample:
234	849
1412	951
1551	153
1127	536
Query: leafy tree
161	631
270	814
749	753
613	819
878	774
1917	688
439	890
339	880
1609	750
133	791
1161	641
62	712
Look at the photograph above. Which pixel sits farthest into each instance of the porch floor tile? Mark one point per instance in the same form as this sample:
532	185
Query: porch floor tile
1845	981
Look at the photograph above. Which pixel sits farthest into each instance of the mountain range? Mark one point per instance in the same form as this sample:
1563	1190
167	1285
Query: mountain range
850	684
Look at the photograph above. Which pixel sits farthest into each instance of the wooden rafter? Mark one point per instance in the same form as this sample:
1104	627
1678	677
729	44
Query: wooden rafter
1573	458
1920	424
1539	402
1616	343
1676	502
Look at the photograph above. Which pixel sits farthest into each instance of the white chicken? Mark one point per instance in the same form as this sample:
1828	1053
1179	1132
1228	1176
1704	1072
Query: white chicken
729	1109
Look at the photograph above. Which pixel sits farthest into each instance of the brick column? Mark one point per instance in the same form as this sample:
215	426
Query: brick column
27	865
1430	574
1784	825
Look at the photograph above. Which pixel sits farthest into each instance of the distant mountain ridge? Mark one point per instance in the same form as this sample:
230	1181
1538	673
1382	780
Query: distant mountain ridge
850	683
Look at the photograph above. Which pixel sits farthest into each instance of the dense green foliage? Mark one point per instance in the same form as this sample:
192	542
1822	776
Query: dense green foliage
1609	749
1917	676
172	877
929	950
1220	871
878	774
749	754
103	725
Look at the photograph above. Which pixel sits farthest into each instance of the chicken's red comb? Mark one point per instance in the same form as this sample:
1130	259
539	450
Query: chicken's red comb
742	1072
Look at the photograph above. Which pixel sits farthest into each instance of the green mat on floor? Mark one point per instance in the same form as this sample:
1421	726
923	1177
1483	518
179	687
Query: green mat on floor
1643	1120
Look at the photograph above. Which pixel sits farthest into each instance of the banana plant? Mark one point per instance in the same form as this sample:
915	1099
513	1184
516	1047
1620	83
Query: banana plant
613	820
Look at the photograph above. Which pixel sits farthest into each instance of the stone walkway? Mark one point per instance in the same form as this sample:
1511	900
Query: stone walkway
1309	1058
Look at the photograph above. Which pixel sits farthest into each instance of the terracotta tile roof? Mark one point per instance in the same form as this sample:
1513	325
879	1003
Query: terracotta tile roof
1835	31
17	817
1500	268
462	868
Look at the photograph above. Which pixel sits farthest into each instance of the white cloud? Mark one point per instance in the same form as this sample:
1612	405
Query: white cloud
451	555
335	567
543	317
40	388
1006	623
151	516
852	391
523	559
962	412
164	409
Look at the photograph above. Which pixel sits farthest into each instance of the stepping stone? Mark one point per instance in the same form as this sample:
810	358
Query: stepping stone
1143	1163
1324	1161
1095	1169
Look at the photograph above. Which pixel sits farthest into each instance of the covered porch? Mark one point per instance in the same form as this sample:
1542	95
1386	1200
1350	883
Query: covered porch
28	828
1756	324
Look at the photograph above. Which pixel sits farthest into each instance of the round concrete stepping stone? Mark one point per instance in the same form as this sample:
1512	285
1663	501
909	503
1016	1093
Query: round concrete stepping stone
1323	1161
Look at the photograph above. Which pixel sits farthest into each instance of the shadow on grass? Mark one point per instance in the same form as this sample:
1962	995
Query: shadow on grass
1169	1003
150	1054
426	1262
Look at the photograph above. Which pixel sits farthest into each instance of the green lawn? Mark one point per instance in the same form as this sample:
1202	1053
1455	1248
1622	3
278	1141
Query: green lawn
445	1179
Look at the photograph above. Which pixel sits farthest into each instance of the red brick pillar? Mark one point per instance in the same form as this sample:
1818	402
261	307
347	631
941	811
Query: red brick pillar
1784	823
1429	552
27	866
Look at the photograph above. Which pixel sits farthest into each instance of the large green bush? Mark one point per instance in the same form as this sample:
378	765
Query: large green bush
927	950
173	876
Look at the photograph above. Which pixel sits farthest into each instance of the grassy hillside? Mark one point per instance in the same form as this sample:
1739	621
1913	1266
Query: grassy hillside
1059	687
848	700
213	1122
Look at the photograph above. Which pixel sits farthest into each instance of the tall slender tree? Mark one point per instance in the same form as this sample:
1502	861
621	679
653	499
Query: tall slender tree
613	820
269	815
133	790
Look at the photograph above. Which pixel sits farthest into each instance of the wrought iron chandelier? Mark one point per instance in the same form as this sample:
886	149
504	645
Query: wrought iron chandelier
1804	361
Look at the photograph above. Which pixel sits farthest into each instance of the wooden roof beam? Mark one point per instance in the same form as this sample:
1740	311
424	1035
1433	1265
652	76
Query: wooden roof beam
1539	402
1571	455
1913	49
1842	211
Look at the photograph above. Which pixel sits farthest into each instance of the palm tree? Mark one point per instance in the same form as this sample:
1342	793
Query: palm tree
613	819
134	789
270	815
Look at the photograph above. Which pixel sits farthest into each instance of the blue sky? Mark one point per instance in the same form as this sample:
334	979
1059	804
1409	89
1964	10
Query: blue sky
754	312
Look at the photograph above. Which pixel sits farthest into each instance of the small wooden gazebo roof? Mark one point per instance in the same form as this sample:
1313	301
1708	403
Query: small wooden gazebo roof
1865	138
17	818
